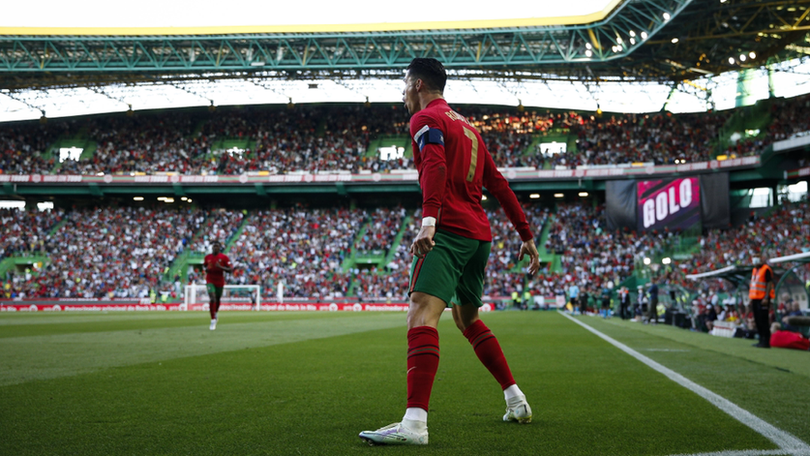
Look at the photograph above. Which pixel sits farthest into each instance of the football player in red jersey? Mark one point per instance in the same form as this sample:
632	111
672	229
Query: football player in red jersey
451	249
216	264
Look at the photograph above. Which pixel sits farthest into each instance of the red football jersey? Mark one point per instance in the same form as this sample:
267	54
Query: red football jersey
213	274
454	165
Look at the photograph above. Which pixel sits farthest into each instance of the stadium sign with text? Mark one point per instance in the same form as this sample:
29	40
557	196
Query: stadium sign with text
673	204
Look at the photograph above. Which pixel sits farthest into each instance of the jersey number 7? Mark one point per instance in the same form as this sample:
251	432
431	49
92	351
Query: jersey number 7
473	152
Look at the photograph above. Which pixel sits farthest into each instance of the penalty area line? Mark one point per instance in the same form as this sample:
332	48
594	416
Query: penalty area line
787	443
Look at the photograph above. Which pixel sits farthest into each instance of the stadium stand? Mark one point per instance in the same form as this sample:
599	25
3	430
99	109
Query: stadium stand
25	233
308	248
301	247
322	138
108	252
783	231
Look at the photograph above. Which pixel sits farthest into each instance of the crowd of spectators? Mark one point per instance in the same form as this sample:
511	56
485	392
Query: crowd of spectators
24	232
322	138
108	252
789	118
219	225
24	146
650	138
505	273
391	281
591	256
126	252
301	248
783	231
383	226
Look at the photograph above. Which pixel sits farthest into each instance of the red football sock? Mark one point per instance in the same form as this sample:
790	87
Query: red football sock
212	309
489	351
423	362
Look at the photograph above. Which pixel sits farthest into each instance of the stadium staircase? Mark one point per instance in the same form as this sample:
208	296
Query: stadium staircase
79	140
559	135
546	257
388	140
534	145
685	248
406	222
225	144
380	259
380	262
188	258
350	261
57	226
14	262
373	145
749	118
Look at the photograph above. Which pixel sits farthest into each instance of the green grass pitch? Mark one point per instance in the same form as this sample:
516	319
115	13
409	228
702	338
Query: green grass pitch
161	383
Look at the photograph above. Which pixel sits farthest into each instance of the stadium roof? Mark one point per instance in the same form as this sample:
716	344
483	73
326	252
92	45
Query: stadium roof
635	56
208	17
722	92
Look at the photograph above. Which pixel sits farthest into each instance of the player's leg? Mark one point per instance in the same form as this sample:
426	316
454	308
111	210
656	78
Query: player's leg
762	322
423	352
218	301
484	343
212	306
219	291
432	281
423	363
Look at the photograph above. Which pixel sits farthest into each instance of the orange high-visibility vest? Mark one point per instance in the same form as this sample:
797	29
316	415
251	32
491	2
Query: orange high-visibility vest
757	288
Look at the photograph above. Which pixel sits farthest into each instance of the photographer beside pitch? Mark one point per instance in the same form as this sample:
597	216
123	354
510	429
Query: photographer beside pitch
451	249
216	264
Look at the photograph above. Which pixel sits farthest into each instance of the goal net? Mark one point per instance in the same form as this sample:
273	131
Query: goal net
234	297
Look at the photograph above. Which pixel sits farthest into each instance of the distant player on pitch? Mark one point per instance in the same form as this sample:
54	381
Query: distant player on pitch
216	264
451	250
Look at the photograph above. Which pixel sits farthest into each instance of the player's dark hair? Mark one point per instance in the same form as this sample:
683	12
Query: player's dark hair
430	71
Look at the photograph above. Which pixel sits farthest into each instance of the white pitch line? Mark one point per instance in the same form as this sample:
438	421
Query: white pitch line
750	453
787	443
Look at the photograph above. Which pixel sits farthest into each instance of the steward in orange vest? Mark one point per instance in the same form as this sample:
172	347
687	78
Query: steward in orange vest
759	281
761	297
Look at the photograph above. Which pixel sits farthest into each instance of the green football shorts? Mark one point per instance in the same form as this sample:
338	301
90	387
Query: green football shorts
213	289
453	271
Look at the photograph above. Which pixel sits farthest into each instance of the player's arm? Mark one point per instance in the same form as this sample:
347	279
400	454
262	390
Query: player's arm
225	267
429	138
499	187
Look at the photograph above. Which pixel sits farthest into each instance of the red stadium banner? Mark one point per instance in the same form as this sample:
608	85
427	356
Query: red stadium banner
68	306
513	174
21	306
90	305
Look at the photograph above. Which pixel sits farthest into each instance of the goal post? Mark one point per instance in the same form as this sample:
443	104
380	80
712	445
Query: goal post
234	297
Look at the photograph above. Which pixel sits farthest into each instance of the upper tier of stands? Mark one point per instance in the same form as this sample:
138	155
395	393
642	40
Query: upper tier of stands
316	138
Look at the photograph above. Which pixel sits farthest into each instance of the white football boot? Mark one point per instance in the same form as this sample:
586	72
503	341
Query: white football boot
396	434
517	409
213	325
